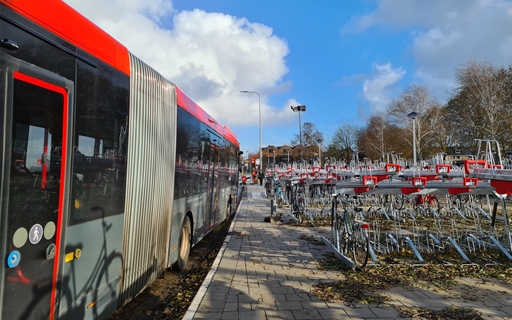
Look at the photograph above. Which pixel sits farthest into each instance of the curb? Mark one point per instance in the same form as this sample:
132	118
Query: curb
192	309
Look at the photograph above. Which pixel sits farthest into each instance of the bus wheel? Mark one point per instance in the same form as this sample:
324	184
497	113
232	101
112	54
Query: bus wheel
184	243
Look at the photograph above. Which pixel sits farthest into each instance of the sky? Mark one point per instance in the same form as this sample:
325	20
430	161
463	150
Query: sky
343	60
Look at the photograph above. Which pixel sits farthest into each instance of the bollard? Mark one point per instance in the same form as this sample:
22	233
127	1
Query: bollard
275	218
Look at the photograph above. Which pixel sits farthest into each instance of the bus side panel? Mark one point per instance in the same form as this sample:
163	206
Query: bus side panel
190	185
197	163
88	294
150	178
92	252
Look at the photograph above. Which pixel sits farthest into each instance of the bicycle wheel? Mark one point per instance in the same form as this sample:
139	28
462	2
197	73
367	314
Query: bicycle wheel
338	228
398	202
301	210
433	202
360	246
279	200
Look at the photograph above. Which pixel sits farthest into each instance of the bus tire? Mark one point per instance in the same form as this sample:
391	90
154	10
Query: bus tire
184	243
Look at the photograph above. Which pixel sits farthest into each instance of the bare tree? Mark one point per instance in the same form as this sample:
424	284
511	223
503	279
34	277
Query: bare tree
481	102
416	98
345	140
310	136
378	138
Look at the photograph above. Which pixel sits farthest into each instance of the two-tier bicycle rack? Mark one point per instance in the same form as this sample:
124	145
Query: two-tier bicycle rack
484	176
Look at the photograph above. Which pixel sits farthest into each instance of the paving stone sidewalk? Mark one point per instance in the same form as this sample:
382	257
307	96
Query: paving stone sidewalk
265	271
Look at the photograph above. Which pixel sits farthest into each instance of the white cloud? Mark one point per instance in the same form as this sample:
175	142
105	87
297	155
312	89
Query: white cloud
378	88
445	33
211	56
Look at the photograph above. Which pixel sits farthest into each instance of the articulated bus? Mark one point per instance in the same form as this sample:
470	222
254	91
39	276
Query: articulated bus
109	174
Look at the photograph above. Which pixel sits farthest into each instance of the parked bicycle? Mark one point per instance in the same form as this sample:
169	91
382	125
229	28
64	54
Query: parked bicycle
298	203
349	234
278	192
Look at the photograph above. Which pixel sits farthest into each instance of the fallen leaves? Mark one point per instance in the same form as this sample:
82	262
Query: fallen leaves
365	287
451	313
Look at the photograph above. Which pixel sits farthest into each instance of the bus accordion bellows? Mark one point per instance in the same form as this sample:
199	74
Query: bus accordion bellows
110	173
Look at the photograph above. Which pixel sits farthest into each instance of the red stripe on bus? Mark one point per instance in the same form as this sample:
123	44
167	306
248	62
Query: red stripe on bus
65	22
57	89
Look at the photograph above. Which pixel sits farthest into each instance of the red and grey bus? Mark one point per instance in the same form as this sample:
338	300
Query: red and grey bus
109	172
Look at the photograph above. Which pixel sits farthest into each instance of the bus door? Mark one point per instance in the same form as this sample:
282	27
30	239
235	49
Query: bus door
212	190
35	108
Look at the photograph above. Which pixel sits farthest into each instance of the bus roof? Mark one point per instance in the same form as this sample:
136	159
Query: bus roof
61	19
194	109
67	23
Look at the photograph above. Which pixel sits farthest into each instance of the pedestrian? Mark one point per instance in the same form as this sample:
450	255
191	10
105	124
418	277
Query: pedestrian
261	178
254	176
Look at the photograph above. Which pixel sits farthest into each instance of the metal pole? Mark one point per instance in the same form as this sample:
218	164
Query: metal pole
414	140
300	137
319	141
320	156
259	113
413	115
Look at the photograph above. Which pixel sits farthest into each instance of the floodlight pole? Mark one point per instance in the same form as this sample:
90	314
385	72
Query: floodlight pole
259	112
319	141
413	115
299	109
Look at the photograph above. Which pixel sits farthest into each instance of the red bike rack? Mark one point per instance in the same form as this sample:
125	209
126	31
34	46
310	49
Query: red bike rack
418	183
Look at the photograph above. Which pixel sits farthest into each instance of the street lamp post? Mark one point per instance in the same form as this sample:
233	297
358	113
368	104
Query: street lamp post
413	115
319	141
259	112
299	109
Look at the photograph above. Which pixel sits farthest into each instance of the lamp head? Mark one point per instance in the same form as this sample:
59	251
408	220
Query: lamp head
298	108
413	115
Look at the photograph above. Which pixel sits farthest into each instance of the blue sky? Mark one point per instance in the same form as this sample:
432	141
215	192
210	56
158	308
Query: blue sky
344	60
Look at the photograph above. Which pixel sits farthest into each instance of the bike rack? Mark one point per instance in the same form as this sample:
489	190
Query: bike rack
498	244
413	247
467	233
459	249
340	255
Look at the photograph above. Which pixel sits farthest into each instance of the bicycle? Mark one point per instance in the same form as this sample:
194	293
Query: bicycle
278	193
298	204
350	235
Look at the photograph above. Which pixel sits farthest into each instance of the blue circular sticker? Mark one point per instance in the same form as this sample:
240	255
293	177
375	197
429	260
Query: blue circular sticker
14	259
